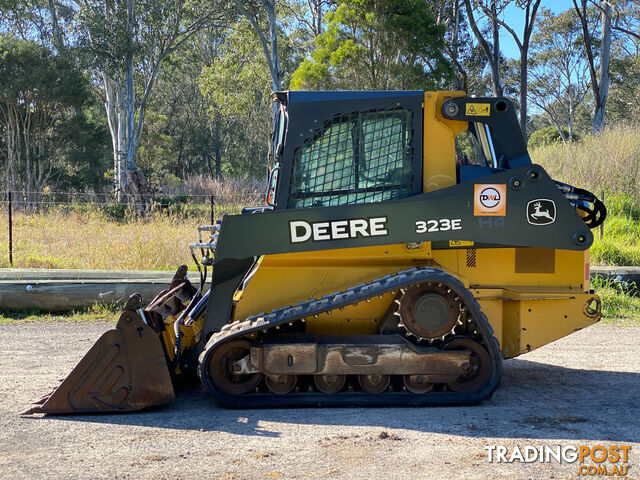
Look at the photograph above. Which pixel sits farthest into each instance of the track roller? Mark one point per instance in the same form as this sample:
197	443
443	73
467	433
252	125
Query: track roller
329	383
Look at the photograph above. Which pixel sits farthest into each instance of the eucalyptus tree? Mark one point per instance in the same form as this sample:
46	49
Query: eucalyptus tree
490	47
39	93
128	42
376	44
559	71
598	63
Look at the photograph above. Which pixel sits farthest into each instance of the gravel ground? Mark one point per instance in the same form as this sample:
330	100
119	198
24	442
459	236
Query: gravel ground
581	390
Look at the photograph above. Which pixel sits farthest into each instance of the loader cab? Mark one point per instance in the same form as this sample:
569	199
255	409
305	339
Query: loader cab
348	147
339	148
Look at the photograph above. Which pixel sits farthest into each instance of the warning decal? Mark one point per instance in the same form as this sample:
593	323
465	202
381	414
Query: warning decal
478	109
461	243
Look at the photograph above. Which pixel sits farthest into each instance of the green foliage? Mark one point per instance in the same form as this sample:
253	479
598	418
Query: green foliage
376	44
620	244
548	136
619	304
623	104
559	70
239	82
237	87
46	132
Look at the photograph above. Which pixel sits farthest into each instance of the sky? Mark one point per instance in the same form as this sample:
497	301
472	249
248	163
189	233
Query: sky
514	17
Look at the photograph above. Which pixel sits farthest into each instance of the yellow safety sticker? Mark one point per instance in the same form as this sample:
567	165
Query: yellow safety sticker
478	109
461	243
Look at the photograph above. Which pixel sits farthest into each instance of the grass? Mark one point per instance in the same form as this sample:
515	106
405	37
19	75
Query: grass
92	240
620	244
95	313
608	162
618	305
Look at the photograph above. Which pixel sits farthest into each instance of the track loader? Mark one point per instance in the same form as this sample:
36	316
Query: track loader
385	268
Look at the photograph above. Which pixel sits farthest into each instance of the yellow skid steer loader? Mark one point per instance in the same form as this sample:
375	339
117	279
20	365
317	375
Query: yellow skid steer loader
385	268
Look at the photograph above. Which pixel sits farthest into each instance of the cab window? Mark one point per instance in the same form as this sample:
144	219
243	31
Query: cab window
356	158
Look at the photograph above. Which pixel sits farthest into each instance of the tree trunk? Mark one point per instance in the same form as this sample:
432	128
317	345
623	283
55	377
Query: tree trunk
490	53
130	99
571	108
276	73
524	72
217	141
599	111
55	28
114	120
496	81
135	182
600	91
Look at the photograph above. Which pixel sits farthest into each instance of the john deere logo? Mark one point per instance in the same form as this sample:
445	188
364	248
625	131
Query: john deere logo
541	211
490	197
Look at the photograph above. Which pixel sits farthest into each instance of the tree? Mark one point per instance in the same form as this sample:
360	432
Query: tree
132	44
39	93
599	84
530	9
625	17
253	11
376	44
491	51
622	100
559	72
309	13
457	43
237	88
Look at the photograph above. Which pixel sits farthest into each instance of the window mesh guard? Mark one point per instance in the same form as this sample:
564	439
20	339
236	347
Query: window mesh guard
359	157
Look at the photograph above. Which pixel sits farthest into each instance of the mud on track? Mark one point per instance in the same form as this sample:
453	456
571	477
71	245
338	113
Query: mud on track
583	389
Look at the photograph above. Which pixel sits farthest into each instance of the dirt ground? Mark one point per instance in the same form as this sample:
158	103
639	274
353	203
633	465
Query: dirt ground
581	390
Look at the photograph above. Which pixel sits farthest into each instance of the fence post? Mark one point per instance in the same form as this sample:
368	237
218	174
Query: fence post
602	224
10	231
212	215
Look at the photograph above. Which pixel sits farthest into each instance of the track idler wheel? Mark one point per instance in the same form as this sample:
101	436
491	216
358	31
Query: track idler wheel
374	383
329	383
281	384
221	368
479	370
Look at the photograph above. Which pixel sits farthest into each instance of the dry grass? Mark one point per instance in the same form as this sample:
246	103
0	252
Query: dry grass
223	189
610	163
90	240
85	236
607	162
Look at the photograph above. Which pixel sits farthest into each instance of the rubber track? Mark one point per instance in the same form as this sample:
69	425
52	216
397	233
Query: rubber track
346	298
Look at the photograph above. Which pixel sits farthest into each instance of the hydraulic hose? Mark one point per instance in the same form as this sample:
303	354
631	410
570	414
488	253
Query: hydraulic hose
584	201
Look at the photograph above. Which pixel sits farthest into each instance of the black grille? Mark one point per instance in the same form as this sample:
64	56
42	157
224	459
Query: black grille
359	157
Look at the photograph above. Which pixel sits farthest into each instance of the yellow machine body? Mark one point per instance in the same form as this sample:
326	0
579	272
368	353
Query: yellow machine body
531	296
